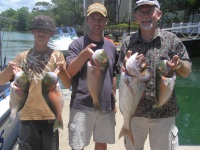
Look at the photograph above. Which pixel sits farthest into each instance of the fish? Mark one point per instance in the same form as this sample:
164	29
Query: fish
96	71
164	84
53	96
131	89
19	89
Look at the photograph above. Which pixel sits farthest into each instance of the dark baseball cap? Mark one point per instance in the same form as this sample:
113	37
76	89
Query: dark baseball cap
43	22
146	2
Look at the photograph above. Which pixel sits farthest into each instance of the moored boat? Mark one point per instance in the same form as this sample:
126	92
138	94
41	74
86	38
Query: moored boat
63	37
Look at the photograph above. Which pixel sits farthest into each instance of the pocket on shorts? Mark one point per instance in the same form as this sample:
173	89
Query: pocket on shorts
174	139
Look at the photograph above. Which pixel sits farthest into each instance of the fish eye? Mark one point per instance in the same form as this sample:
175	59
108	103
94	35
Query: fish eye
141	68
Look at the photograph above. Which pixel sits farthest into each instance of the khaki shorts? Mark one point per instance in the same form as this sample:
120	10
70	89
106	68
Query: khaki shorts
83	123
163	134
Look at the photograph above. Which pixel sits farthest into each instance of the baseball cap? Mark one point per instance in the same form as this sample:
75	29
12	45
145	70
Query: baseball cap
97	7
146	2
43	22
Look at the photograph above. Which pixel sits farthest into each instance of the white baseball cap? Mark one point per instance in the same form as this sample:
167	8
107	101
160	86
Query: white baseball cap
146	2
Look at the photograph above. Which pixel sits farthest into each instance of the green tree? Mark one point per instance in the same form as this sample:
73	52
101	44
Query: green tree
68	13
23	18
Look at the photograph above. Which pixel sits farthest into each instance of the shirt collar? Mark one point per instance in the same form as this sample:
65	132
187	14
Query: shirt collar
138	37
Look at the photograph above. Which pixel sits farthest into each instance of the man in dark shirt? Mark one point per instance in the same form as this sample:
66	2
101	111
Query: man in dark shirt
84	120
155	44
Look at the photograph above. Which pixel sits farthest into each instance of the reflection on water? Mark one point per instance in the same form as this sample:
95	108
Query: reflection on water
187	90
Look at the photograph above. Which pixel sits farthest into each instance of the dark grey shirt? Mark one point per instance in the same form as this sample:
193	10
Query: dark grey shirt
164	45
80	98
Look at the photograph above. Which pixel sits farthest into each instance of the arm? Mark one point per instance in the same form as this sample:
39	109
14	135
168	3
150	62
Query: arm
63	74
114	90
77	63
8	73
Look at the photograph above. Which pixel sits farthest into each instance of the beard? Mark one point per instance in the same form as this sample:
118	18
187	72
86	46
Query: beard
147	24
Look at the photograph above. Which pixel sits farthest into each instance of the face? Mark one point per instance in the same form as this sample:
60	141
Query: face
96	22
42	36
147	16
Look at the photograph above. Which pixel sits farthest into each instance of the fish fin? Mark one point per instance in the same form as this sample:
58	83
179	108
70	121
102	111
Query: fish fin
126	132
157	106
57	125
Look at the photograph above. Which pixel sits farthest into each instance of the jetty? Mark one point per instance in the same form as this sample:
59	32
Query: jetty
119	145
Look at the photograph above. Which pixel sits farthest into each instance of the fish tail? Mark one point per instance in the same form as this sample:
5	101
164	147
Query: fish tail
11	118
128	132
97	107
57	125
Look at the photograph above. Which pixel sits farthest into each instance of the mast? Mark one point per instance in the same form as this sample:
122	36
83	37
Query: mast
1	57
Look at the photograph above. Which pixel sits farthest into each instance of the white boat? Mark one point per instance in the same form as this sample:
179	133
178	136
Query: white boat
63	37
8	134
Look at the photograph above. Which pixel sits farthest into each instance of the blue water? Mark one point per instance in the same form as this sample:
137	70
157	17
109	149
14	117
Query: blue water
187	89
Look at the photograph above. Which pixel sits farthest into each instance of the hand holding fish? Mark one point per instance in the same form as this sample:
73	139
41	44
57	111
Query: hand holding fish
19	89
15	69
60	67
131	88
52	94
88	50
174	63
96	71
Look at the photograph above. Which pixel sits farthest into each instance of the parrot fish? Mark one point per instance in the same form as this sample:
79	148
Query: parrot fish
131	88
19	89
164	84
52	94
96	71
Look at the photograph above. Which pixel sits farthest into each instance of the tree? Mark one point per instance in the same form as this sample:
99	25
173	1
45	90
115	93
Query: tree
23	17
68	13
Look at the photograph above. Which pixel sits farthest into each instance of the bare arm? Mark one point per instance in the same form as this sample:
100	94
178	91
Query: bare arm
114	91
8	73
79	61
63	74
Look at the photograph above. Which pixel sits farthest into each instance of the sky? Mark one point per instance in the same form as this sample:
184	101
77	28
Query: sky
16	4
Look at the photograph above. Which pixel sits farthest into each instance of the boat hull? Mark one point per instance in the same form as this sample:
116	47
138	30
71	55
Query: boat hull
8	134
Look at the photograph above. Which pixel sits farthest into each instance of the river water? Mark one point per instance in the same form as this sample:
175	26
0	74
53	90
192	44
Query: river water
188	89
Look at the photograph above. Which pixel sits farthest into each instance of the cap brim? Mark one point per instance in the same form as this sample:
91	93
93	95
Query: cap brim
32	28
147	3
96	11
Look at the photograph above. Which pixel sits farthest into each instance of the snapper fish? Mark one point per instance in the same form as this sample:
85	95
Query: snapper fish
19	89
164	84
96	71
131	88
52	94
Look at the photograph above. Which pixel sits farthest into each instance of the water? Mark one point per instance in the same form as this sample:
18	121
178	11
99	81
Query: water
188	89
15	42
188	97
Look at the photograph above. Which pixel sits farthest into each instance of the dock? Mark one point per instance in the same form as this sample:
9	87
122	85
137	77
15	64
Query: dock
119	145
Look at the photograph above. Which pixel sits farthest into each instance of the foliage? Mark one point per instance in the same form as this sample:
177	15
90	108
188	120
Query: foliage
133	26
70	13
